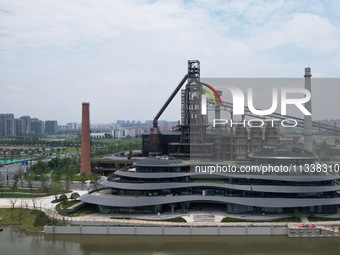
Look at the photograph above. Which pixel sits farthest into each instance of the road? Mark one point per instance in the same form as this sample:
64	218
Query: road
7	172
10	170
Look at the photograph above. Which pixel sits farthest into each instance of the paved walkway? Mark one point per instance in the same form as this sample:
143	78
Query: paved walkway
304	218
40	203
44	204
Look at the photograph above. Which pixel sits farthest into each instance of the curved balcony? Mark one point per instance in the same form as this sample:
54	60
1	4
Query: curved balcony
136	201
254	188
278	177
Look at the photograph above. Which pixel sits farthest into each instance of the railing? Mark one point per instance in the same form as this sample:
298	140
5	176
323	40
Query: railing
300	122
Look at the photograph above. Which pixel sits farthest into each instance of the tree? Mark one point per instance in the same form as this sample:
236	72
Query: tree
39	168
69	172
25	201
95	178
63	198
53	163
15	181
44	179
56	180
83	179
34	202
75	196
13	201
297	215
29	177
21	177
2	184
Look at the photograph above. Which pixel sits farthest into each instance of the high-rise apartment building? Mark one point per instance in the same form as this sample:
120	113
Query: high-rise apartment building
7	124
51	126
25	125
37	126
72	126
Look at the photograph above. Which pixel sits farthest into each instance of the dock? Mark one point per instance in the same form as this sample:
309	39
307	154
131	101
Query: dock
317	230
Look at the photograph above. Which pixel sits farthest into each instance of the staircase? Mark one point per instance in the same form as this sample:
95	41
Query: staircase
330	231
204	218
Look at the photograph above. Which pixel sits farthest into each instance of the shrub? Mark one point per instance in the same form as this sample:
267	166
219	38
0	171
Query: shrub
63	198
75	196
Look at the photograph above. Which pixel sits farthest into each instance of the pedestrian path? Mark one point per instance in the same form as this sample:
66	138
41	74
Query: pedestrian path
204	218
304	218
194	218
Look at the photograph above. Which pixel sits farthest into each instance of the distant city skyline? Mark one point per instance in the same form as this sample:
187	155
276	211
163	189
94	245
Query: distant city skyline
131	121
126	57
149	121
11	125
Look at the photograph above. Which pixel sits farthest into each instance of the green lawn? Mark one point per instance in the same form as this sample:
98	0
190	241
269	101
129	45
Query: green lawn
26	219
18	195
176	219
28	193
314	218
21	190
32	192
228	219
87	209
287	219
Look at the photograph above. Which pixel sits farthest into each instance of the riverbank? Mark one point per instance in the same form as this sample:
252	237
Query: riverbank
218	221
24	219
14	242
169	230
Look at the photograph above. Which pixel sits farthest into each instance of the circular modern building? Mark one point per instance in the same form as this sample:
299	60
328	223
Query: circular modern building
157	185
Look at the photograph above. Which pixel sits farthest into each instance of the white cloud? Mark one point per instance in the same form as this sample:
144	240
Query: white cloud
126	57
312	32
303	30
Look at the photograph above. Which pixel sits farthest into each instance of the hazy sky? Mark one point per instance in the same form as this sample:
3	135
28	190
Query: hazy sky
126	57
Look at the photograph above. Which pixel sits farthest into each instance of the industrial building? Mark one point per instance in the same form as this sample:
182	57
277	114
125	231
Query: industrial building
167	184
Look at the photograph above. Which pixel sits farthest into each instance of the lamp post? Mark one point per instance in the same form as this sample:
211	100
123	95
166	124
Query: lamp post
251	190
88	186
1	183
7	179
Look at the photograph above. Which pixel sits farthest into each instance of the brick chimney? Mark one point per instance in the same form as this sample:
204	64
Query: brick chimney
85	157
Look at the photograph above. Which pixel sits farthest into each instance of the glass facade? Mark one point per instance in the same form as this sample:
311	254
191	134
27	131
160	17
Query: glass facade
166	185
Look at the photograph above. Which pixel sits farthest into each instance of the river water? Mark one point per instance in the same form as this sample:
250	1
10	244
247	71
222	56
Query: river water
19	243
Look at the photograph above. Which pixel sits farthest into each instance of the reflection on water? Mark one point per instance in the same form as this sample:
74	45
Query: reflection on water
19	243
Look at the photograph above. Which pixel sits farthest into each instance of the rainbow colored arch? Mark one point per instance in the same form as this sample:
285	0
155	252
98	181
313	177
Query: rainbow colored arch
210	94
